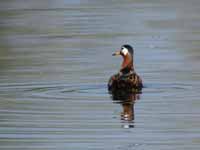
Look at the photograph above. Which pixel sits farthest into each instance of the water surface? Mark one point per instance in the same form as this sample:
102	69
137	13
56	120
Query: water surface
55	59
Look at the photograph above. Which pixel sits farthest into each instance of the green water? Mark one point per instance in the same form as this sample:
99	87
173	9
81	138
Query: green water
55	60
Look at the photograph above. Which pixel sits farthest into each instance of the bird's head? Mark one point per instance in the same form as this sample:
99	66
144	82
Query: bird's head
126	52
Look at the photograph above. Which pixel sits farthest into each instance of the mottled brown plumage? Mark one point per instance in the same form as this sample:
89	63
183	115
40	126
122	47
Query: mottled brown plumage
127	79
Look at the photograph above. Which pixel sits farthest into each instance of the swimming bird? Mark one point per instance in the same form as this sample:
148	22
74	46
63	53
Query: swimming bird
126	80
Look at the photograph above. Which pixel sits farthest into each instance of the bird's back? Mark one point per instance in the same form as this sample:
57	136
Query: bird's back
130	82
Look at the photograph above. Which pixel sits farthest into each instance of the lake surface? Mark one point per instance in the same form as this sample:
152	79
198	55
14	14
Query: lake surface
55	59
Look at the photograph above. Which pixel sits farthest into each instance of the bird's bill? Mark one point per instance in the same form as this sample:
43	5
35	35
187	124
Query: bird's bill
116	53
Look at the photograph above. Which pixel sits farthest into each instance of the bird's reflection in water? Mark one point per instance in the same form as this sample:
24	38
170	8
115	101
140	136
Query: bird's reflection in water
127	101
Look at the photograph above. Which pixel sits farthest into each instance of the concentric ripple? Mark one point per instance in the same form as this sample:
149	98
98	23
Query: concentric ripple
55	90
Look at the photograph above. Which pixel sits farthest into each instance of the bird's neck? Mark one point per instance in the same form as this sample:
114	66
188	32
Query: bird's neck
127	64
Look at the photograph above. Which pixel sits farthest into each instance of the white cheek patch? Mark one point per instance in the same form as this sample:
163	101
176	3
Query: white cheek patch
124	51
